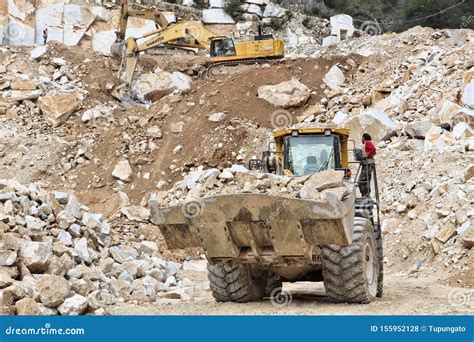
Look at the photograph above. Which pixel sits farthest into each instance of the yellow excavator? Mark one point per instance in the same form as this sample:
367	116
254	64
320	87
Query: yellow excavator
189	35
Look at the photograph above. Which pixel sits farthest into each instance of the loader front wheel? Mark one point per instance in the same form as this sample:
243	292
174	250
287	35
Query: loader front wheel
351	273
235	282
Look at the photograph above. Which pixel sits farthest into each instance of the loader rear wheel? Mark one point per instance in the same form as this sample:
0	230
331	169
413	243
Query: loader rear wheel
351	273
235	282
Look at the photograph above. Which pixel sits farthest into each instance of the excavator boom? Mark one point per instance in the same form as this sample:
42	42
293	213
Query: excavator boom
189	34
161	19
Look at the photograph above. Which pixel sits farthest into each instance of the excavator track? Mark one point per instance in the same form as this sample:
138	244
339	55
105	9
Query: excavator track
212	69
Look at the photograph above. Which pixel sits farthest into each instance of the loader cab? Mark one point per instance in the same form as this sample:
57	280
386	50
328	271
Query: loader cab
305	151
222	47
308	154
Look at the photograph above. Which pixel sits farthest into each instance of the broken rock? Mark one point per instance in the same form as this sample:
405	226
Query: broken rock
286	94
334	78
123	171
73	306
136	213
36	255
322	180
57	109
53	290
27	307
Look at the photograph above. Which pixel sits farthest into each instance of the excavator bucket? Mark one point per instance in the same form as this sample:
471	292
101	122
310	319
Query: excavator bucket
257	228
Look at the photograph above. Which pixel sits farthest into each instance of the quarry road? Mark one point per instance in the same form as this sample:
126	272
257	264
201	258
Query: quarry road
402	296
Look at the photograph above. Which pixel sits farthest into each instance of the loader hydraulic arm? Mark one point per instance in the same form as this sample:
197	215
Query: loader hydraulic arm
188	34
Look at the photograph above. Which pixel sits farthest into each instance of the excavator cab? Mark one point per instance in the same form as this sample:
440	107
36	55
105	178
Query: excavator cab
222	47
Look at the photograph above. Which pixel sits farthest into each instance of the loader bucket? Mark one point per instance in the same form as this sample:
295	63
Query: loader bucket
257	228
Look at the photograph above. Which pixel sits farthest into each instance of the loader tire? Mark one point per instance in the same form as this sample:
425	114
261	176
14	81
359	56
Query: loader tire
235	282
351	273
273	282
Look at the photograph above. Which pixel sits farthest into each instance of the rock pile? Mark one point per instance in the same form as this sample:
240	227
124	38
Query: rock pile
42	88
322	186
57	257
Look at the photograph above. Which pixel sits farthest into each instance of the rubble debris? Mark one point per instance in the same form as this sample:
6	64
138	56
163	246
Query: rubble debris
80	277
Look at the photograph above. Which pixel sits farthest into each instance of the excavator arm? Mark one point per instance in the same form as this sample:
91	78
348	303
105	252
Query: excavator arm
161	19
186	34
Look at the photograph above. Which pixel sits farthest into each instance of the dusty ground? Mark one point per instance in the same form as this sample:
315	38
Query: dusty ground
402	296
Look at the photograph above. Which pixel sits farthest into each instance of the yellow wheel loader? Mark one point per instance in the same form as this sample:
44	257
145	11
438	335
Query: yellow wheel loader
254	242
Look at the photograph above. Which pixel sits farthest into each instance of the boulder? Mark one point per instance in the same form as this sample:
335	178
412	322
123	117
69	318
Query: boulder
7	258
372	121
38	52
154	132
177	127
22	95
320	181
136	213
446	114
100	298
65	219
467	98
33	223
36	255
27	307
81	286
217	117
5	280
57	109
120	288
123	171
255	9
73	207
73	306
334	78
286	94
123	253
53	290
418	129
216	16
437	139
272	10
83	251
147	247
153	86
462	130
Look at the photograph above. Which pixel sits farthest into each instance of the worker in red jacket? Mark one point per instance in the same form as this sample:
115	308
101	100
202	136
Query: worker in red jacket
367	163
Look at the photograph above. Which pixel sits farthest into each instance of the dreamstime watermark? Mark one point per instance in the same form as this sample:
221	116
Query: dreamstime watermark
280	298
15	33
193	208
193	29
371	27
460	297
466	21
280	119
46	330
